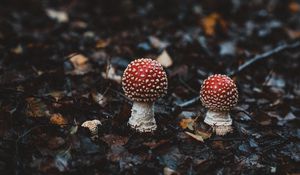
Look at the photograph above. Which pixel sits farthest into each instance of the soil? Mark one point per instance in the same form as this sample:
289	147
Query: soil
61	64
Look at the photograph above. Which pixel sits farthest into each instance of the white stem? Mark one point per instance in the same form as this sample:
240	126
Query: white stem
142	117
220	121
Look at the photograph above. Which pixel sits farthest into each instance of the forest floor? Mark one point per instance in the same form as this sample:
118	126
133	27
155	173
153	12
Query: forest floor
61	64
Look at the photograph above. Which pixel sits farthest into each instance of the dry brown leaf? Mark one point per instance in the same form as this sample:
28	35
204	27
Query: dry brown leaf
80	63
36	108
57	95
197	137
17	50
99	98
293	34
209	23
164	59
187	123
58	119
102	43
204	135
294	7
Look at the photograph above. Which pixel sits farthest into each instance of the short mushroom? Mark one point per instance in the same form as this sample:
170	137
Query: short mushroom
219	94
144	81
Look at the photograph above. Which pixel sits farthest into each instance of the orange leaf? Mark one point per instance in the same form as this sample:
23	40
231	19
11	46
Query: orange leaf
187	123
58	119
209	23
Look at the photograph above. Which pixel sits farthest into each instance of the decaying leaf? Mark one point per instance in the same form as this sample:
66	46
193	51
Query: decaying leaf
111	74
294	7
58	119
197	137
209	23
187	123
164	59
169	171
102	43
99	98
17	50
157	43
204	135
293	34
36	108
80	64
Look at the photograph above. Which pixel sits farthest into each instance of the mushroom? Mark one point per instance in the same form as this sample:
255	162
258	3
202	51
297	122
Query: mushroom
144	81
92	125
219	94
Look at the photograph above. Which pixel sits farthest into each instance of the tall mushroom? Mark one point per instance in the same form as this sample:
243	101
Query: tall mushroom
219	94
144	81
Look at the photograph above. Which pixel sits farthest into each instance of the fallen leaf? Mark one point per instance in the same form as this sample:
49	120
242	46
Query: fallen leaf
17	50
204	135
294	7
164	59
197	137
57	95
36	108
80	63
58	119
102	43
59	16
99	98
115	140
187	123
56	142
169	171
157	43
111	74
209	23
293	34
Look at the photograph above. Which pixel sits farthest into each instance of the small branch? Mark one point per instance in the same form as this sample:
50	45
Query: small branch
265	55
189	102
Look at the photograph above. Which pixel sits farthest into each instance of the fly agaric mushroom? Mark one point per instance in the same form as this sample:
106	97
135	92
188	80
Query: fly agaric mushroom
219	94
144	81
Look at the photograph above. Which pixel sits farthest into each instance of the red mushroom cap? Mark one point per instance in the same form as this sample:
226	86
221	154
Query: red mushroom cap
144	80
219	93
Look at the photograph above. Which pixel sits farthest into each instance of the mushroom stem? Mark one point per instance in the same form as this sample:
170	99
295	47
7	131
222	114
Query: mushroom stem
220	121
142	117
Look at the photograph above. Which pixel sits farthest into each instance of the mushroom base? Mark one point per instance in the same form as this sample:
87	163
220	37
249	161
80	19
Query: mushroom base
142	117
220	121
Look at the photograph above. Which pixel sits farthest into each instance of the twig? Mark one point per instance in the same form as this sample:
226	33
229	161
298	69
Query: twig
265	55
189	102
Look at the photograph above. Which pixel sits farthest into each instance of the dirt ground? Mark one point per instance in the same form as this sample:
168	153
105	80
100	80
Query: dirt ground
61	64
